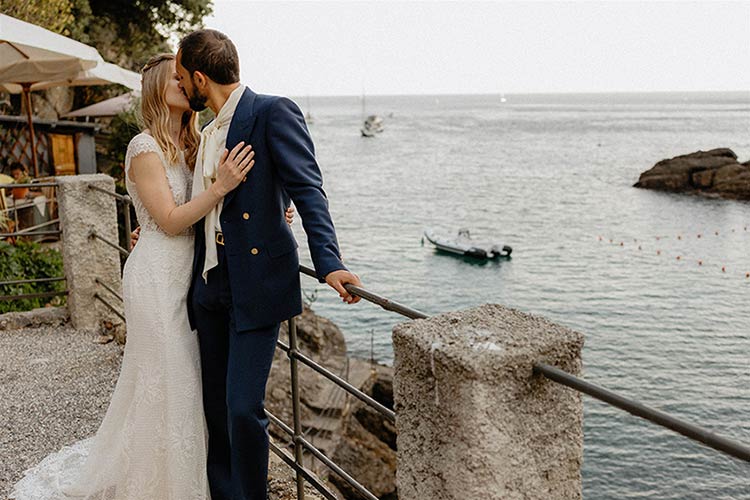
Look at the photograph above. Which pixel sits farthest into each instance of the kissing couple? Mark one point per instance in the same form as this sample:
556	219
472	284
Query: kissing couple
213	274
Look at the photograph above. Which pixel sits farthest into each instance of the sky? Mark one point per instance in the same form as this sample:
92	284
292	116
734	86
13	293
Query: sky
382	48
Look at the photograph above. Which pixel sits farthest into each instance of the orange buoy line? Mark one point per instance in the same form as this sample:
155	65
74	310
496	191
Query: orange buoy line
639	247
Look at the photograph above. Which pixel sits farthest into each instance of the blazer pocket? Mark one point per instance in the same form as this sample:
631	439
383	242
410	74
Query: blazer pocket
281	247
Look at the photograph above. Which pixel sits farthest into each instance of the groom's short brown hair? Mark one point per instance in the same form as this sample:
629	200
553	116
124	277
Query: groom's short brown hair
212	53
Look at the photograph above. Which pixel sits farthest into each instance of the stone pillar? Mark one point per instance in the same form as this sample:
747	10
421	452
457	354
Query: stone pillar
84	258
473	421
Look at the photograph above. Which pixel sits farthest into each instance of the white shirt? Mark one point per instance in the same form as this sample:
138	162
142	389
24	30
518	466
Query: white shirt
213	143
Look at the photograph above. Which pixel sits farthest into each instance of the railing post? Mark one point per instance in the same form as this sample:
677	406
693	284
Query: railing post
296	406
473	420
82	210
128	225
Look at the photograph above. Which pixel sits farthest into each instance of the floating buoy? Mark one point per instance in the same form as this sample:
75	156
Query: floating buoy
678	257
639	247
600	238
622	244
747	275
716	233
610	240
700	262
723	269
679	237
657	238
699	236
658	252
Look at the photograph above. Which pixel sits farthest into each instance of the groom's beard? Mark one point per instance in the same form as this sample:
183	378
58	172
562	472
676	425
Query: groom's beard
197	101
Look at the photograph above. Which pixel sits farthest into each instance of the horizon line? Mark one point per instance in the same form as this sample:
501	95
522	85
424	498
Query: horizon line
573	92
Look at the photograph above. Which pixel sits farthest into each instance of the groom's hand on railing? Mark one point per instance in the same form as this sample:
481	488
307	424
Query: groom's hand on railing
337	280
134	237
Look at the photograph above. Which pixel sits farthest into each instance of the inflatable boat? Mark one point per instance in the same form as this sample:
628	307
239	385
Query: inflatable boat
462	244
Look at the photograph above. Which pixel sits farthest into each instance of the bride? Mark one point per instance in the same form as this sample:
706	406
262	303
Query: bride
152	441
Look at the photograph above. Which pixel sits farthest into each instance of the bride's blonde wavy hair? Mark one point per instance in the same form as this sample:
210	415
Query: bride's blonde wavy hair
155	77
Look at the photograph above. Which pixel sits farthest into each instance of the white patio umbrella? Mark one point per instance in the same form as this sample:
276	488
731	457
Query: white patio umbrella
33	58
109	107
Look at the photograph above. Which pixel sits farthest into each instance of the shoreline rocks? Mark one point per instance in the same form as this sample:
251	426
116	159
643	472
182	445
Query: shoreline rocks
715	173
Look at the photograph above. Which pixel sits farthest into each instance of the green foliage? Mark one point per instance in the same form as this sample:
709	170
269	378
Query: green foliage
27	260
128	33
54	15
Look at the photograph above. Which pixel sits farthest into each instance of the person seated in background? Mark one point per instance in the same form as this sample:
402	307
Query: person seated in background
18	171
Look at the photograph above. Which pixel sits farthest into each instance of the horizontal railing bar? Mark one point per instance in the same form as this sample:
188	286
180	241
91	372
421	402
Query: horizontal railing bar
335	468
383	302
120	197
29	185
661	418
110	306
110	290
33	295
35	280
309	476
277	421
43	224
34	233
94	234
389	414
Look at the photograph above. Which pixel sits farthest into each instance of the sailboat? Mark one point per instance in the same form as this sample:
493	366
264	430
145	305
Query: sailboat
372	125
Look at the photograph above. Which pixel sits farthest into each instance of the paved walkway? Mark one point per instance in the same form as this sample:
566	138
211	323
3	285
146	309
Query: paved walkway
55	385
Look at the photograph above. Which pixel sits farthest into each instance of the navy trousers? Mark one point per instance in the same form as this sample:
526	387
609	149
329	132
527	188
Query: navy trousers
235	367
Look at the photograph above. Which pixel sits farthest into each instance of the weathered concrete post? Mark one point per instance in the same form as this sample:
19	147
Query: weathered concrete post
473	421
82	210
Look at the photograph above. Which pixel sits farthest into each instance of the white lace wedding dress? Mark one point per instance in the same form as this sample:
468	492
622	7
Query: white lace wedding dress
152	442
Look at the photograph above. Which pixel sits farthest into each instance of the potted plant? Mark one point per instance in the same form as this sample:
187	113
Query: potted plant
20	193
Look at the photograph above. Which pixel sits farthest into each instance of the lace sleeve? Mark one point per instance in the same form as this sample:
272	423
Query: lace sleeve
141	143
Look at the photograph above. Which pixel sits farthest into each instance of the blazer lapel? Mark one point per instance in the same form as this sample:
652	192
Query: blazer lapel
240	128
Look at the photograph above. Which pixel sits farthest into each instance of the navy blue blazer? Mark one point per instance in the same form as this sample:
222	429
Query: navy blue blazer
260	247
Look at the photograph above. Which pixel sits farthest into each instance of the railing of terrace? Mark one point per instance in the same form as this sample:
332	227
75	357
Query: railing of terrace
301	444
42	229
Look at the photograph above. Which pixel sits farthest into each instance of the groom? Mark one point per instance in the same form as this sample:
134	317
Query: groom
246	267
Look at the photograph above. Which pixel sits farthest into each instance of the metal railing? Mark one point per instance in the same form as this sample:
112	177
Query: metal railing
93	234
35	230
31	230
300	444
127	202
691	431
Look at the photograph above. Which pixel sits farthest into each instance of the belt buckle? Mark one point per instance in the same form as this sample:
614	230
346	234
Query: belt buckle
220	238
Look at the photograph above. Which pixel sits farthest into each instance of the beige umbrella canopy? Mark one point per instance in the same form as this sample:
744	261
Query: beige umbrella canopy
109	107
33	58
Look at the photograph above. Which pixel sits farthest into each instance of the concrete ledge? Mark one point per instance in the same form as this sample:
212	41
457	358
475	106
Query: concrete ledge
43	316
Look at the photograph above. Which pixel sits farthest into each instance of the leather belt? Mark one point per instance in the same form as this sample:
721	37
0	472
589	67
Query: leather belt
220	238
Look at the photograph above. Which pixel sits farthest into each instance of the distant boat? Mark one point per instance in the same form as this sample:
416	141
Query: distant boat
464	245
502	98
372	125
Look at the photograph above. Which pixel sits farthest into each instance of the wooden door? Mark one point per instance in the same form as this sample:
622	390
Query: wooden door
63	151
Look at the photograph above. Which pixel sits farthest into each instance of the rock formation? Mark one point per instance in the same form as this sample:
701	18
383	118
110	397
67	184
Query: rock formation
715	173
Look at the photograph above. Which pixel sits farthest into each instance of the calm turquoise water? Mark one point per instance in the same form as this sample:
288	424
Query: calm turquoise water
549	175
